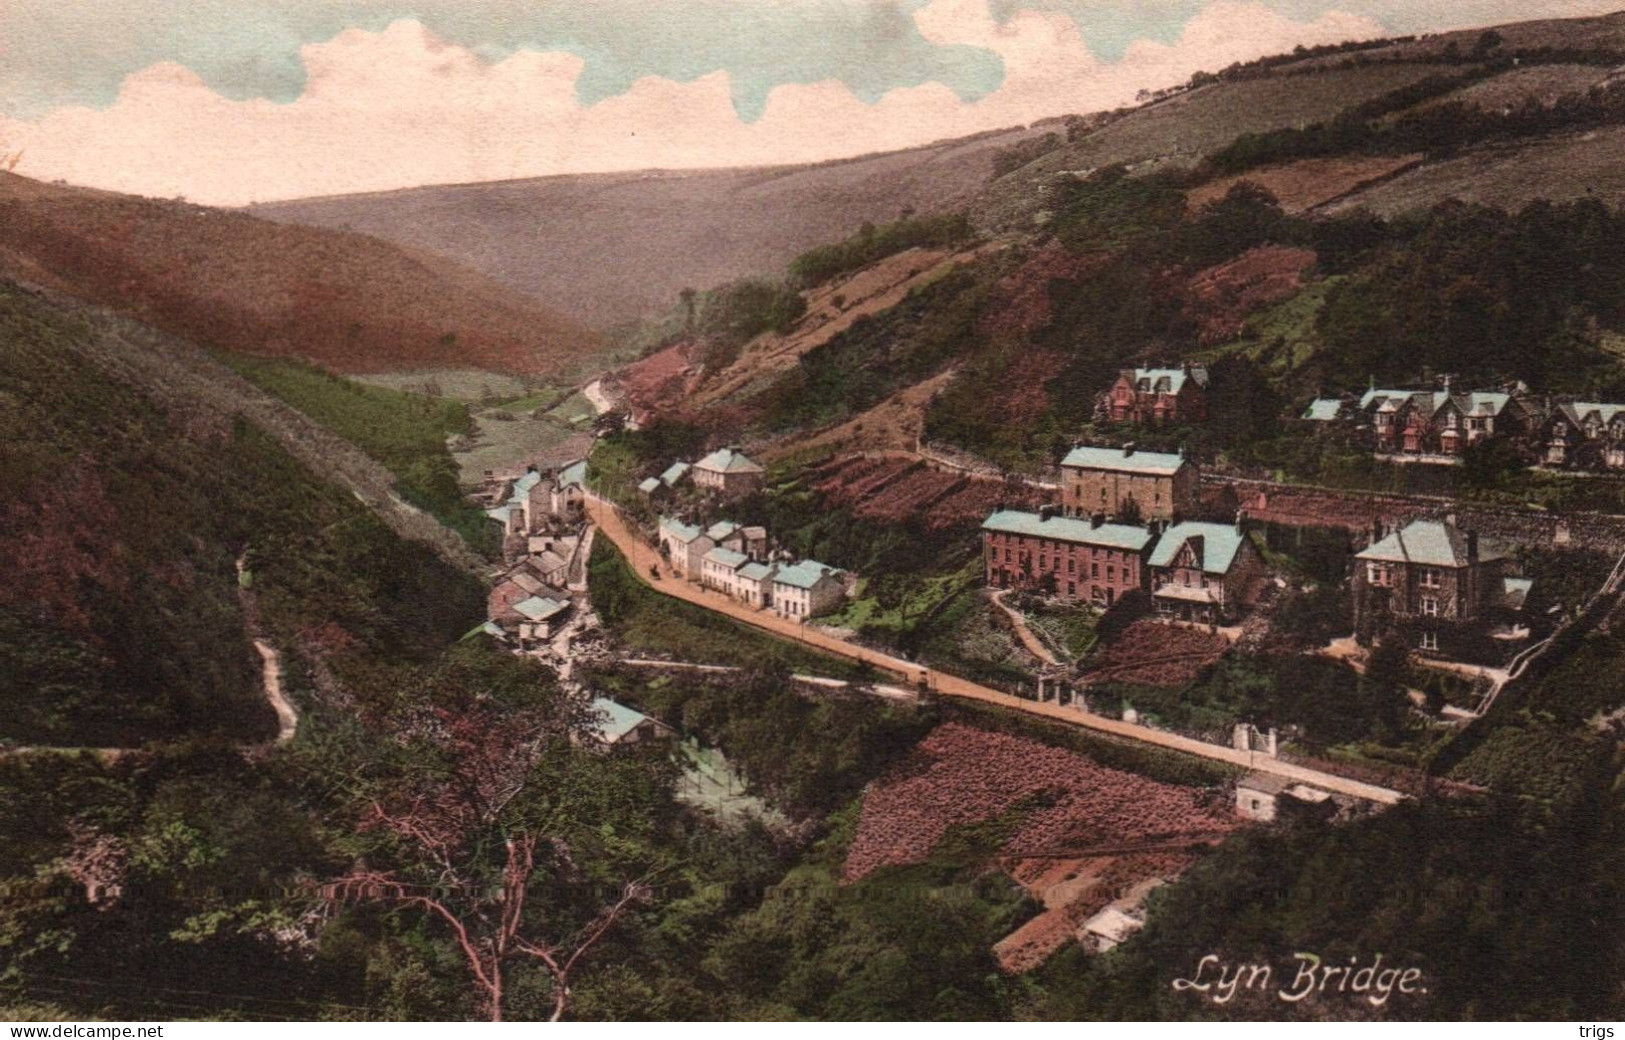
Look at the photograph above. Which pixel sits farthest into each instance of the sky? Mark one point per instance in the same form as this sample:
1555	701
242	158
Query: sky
232	101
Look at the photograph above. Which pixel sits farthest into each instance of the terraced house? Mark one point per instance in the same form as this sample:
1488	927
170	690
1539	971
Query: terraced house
1440	422
1586	435
1204	572
806	589
1157	395
1078	560
1124	483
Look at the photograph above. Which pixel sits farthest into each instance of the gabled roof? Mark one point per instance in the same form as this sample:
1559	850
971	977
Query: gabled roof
1392	398
1162	463
1515	592
1578	412
1265	783
728	460
1068	529
1323	409
720	530
1166	380
524	484
526	580
619	719
726	558
540	608
649	485
1483	402
547	561
1432	543
804	574
757	571
675	472
682	532
1220	543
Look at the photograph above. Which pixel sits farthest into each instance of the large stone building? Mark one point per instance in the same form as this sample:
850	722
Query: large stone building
1104	481
1078	560
1204	572
1158	395
1430	573
806	589
729	471
1440	422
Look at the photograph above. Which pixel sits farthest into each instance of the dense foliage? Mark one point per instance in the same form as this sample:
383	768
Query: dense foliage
872	242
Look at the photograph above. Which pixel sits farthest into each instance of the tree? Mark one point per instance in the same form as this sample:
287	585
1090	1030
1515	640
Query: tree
471	834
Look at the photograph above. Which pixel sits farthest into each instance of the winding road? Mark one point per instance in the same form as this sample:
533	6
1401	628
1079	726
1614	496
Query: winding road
642	557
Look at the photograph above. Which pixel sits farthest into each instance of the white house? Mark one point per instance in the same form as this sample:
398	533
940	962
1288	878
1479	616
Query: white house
806	589
755	583
540	617
719	569
684	546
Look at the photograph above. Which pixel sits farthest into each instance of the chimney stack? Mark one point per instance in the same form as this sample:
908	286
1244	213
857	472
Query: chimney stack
1046	511
1096	519
1472	546
1128	449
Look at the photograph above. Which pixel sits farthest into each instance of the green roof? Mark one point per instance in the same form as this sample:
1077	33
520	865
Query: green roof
1119	460
1165	380
574	474
756	571
675	472
620	720
649	486
684	533
1068	529
539	608
1220	543
804	574
727	460
1323	409
1432	543
726	558
720	530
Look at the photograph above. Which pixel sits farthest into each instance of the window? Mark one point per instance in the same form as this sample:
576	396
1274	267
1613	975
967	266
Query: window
1430	606
1430	640
1376	573
1431	578
1094	570
1071	566
1071	588
1111	573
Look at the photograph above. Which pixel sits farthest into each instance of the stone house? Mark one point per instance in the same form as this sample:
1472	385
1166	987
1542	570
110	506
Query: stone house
1266	797
752	541
1157	395
1204	572
1585	434
1440	422
1103	481
1077	560
683	546
1430	573
729	471
806	589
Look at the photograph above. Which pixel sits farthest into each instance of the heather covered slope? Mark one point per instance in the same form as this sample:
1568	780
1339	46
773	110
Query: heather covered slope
223	279
127	497
611	248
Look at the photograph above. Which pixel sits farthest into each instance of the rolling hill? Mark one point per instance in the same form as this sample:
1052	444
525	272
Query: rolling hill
346	301
612	248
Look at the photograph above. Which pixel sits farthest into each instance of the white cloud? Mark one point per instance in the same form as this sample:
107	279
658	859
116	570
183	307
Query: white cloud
400	107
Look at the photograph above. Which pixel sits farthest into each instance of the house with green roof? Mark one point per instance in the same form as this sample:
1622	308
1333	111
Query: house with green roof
616	725
1157	395
1586	435
1128	484
729	471
1072	558
1430	578
719	570
806	589
683	546
1204	572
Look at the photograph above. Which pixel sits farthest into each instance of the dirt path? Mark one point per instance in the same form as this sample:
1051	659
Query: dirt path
1028	637
287	717
641	557
594	393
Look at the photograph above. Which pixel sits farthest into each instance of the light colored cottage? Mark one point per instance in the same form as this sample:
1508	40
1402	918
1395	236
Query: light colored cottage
755	583
806	589
729	471
719	570
683	546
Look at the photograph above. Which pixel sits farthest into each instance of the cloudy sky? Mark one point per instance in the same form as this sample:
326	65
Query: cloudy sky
229	101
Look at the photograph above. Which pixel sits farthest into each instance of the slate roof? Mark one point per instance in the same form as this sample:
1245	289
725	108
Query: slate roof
649	486
1113	459
573	475
1429	542
620	720
720	530
675	472
1166	380
684	533
1323	409
804	574
1220	543
548	561
726	558
1068	529
1265	783
1516	592
540	608
727	460
1578	411
756	571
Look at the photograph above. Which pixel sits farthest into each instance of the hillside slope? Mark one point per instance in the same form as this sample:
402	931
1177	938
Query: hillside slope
346	301
611	248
